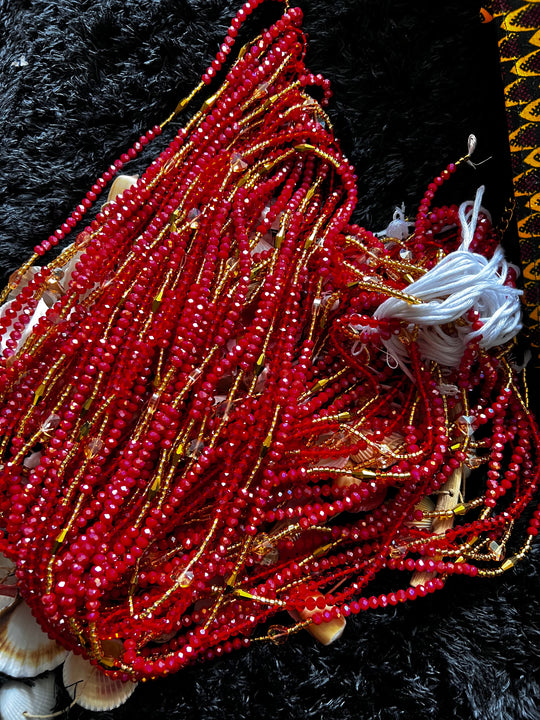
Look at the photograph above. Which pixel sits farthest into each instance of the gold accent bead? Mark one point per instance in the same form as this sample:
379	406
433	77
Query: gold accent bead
39	394
156	302
305	147
509	563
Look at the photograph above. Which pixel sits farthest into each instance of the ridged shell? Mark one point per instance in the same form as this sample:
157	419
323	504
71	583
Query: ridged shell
121	183
371	452
91	688
326	632
426	505
8	584
25	650
8	597
7	567
16	698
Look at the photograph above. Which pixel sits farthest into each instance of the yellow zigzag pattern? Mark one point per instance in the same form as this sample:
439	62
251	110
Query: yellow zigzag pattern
526	67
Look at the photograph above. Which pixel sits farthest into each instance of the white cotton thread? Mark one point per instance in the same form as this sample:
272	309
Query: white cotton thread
357	348
461	281
391	360
468	227
364	331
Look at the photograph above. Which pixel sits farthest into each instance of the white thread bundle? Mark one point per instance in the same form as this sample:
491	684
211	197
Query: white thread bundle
461	281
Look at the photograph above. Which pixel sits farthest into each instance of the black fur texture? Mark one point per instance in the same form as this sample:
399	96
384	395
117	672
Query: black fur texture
80	81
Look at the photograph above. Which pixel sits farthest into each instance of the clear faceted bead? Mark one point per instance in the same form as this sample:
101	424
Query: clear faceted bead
93	447
186	578
194	217
467	424
238	163
51	423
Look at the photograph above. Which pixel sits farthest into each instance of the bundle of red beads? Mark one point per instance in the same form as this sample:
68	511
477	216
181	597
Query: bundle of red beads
200	424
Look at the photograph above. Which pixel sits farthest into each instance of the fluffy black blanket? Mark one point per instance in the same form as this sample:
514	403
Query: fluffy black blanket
80	80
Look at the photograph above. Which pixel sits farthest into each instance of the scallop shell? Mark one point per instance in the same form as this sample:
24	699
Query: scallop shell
121	183
8	584
25	650
327	632
7	567
17	698
372	452
337	462
91	688
8	596
426	505
375	498
448	499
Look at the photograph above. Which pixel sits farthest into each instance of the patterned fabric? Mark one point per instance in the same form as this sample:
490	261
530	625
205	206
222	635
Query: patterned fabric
519	48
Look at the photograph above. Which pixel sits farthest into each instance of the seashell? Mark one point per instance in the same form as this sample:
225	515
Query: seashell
426	505
7	567
261	379
326	632
336	462
8	585
25	650
276	224
121	183
448	499
40	310
91	688
32	460
262	246
18	700
382	454
374	499
8	595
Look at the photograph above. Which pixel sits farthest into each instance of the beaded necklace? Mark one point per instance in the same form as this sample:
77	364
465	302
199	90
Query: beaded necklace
202	422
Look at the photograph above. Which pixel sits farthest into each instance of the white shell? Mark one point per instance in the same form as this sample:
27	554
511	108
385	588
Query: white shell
40	310
91	688
16	698
25	650
8	596
8	584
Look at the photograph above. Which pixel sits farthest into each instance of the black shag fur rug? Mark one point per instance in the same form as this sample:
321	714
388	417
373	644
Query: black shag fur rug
80	80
